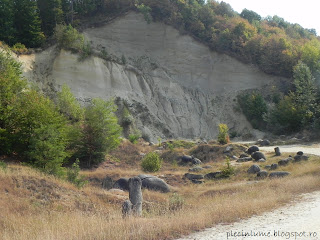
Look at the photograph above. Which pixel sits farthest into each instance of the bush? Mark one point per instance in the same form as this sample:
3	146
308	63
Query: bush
74	177
254	108
176	202
151	162
3	166
19	48
223	136
228	170
133	138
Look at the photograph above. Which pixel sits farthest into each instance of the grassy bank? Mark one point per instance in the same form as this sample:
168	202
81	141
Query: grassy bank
38	206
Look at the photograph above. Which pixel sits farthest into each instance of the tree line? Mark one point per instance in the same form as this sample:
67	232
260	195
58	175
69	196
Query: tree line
271	43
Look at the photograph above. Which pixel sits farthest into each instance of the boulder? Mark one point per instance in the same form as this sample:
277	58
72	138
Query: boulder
243	155
196	169
277	151
298	158
283	162
185	159
154	183
254	169
228	149
191	176
122	183
252	149
213	175
300	153
273	166
244	159
107	183
262	174
264	142
258	155
261	160
278	174
196	161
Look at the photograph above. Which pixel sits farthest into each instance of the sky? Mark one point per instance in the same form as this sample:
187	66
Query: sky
305	13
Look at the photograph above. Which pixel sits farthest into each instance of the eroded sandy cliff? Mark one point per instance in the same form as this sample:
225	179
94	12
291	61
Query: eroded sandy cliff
173	85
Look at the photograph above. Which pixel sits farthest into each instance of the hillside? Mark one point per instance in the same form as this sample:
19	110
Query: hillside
173	85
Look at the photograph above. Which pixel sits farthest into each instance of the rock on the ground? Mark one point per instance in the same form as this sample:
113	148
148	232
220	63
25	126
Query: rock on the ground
191	176
213	175
262	174
244	159
196	169
122	183
274	166
278	174
258	155
154	183
252	149
254	169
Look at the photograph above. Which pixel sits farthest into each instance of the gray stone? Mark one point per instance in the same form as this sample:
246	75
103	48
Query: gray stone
228	149
283	162
107	183
135	195
243	155
196	161
265	142
126	208
273	166
122	183
278	174
262	174
185	159
298	158
244	159
258	155
191	176
261	160
213	175
277	151
154	183
254	169
252	149
300	153
267	166
196	169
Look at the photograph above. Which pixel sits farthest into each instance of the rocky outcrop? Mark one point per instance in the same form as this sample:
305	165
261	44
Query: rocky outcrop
172	85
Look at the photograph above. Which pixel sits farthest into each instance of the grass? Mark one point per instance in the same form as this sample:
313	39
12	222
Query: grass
36	206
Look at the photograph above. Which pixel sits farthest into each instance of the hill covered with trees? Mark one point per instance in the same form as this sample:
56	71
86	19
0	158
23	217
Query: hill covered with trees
271	43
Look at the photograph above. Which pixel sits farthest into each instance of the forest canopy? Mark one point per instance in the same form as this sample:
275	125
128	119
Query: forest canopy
271	43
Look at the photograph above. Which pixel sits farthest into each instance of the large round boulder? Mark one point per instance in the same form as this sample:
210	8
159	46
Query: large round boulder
258	155
122	183
254	169
154	183
252	149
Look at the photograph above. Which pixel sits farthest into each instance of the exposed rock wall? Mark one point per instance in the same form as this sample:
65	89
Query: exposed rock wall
173	85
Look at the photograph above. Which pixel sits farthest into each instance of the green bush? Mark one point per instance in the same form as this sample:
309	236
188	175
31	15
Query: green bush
3	166
19	48
133	138
223	136
74	177
176	202
151	162
228	170
254	108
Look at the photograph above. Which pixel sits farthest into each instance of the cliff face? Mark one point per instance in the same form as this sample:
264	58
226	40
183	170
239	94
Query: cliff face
173	85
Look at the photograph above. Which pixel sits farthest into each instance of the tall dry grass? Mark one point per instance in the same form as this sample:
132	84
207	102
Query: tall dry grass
27	212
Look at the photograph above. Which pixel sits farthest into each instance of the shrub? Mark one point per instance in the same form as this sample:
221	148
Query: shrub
133	138
254	108
223	137
176	202
73	175
19	48
3	166
151	162
228	170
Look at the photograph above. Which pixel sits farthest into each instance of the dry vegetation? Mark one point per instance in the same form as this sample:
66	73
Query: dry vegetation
38	206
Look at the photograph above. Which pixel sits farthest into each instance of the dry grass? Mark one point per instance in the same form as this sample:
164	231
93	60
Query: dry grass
36	206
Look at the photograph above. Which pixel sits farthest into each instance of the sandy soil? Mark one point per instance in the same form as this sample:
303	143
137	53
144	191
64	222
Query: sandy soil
298	220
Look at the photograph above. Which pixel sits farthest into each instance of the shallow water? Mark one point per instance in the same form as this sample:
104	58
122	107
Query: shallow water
299	220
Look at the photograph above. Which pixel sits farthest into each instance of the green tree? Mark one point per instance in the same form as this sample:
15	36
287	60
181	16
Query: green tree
305	90
223	136
51	14
250	15
151	162
27	23
310	55
101	132
7	29
68	105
